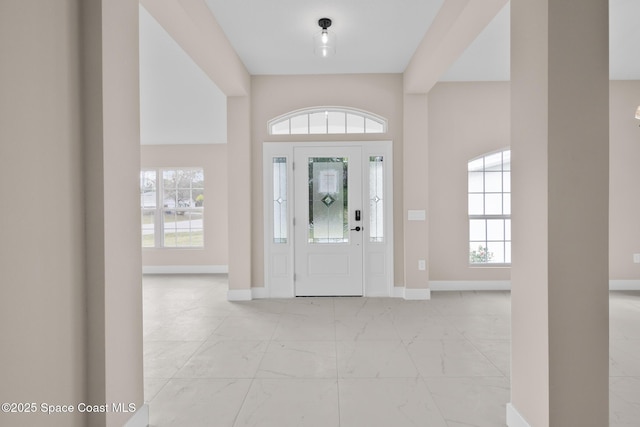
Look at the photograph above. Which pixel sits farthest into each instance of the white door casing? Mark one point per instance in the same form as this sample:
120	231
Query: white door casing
329	267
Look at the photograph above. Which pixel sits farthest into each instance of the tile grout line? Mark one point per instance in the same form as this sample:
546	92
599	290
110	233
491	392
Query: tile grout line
253	378
335	347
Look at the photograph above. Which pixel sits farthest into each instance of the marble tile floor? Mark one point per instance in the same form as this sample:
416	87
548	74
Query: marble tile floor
348	362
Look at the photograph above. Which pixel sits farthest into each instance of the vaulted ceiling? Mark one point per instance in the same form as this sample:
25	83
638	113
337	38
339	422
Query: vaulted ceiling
381	36
186	45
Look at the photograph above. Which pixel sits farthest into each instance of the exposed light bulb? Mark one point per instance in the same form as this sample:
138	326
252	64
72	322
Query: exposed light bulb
324	44
324	37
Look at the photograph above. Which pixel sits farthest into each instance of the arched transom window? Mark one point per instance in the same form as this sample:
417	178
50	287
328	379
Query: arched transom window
327	120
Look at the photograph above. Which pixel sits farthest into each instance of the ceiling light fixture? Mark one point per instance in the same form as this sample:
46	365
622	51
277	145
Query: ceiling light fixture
324	42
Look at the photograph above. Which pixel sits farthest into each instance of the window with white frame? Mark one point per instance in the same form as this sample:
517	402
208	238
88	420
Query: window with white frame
327	120
489	180
172	207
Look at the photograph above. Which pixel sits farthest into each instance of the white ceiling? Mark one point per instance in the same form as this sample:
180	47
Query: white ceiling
624	39
380	36
487	58
373	36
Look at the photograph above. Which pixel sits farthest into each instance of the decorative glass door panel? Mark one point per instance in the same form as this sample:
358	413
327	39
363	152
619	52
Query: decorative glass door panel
328	200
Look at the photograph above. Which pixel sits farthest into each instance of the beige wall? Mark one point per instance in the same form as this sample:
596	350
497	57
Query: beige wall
42	288
272	96
465	121
213	159
624	199
483	126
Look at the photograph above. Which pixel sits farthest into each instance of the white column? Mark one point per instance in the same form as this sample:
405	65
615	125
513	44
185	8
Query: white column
415	184
111	126
560	98
239	172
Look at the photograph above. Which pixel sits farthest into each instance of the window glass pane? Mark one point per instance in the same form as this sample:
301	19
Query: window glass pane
477	229
373	126
507	203
318	123
280	128
169	179
476	204
507	229
279	200
336	122
197	179
493	162
355	123
476	182
169	184
148	228
478	253
476	165
493	182
190	185
169	227
493	204
328	206
506	160
148	189
183	229
300	124
189	229
495	229
376	199
506	182
507	252
495	252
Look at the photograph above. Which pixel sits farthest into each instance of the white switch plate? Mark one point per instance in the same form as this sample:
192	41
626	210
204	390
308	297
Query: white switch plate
636	258
422	265
416	215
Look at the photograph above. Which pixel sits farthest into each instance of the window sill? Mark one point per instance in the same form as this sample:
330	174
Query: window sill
495	265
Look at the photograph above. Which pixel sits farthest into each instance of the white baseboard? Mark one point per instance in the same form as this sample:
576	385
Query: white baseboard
505	285
140	418
514	419
260	293
397	292
417	294
410	293
624	285
185	269
239	295
470	285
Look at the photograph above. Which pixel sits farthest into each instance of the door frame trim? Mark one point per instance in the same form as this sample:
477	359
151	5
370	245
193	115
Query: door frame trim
279	257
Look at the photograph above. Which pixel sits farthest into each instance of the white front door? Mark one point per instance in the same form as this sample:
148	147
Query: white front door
329	221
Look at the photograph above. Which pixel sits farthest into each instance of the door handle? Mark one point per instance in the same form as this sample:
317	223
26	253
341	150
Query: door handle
356	229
